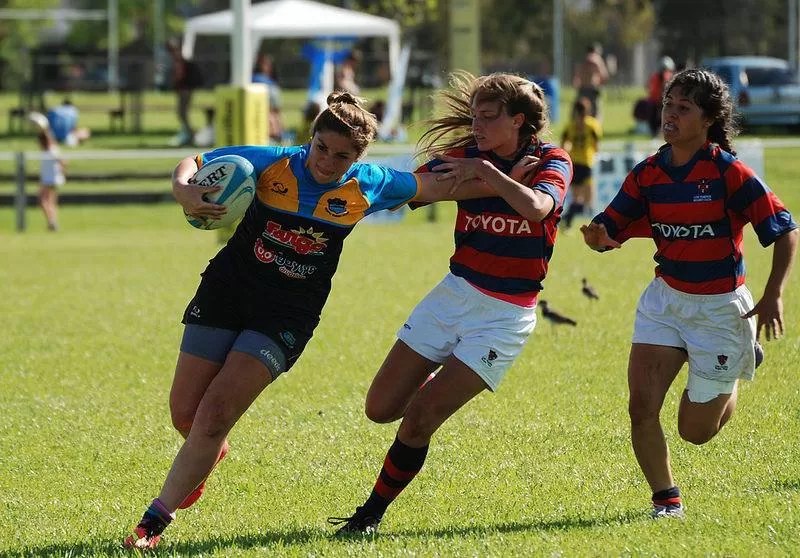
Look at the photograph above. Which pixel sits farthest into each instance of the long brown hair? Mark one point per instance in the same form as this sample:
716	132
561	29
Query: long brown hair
345	115
453	130
711	94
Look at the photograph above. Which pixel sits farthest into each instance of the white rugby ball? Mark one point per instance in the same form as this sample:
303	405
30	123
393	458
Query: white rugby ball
237	179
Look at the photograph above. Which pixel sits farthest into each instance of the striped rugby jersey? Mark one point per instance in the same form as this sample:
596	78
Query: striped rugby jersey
695	213
497	250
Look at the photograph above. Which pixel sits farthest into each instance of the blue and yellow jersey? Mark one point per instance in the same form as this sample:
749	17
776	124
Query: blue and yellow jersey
287	246
696	214
584	140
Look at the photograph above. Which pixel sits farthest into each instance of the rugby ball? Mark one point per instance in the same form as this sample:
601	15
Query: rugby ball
237	179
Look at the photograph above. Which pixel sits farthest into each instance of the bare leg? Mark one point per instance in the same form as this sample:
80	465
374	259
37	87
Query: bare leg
651	370
230	394
398	380
445	394
193	375
699	422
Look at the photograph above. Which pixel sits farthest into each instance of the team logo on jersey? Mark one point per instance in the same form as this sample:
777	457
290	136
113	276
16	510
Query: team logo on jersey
303	241
703	191
722	359
288	338
498	224
491	356
279	188
291	268
337	207
674	232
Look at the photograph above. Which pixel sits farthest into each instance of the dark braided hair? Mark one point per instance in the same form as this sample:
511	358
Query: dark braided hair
707	90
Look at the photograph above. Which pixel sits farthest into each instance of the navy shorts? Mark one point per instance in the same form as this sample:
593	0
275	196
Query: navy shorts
240	320
581	175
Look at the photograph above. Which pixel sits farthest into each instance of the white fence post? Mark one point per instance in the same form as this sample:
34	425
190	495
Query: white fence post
20	200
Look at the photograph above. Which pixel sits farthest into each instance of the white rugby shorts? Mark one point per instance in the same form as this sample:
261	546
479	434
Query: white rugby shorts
720	344
457	319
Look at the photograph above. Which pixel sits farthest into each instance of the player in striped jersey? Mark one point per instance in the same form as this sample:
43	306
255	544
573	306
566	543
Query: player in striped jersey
693	198
474	323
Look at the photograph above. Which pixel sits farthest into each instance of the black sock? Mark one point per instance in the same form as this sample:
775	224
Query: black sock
401	465
668	496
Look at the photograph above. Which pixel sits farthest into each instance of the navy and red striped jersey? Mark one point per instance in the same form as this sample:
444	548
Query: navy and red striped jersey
496	249
696	213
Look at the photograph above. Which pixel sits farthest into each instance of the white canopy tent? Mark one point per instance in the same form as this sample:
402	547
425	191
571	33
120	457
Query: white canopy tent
297	18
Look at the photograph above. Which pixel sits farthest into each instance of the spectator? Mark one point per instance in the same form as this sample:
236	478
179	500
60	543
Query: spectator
264	72
186	77
581	139
655	92
312	110
346	75
51	170
63	124
590	75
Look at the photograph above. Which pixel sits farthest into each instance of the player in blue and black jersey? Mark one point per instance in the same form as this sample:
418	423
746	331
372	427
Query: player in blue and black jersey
694	198
261	296
474	323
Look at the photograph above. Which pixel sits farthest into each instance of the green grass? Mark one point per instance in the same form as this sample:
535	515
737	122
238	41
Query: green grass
543	467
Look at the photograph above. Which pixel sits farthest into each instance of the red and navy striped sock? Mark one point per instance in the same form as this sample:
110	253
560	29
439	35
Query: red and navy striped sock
401	465
670	496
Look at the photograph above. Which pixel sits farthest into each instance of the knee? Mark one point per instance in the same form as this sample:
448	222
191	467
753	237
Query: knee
419	423
379	412
212	421
695	433
642	411
181	420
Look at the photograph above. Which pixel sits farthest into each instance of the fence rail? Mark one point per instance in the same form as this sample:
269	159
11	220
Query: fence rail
400	156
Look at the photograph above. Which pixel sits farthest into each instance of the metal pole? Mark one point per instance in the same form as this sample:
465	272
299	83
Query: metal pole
794	46
241	44
20	200
158	43
558	41
113	45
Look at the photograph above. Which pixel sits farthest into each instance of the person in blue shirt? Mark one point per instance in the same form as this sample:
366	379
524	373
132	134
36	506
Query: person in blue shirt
261	296
264	72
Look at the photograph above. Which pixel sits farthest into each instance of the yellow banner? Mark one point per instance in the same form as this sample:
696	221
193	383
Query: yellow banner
465	36
241	115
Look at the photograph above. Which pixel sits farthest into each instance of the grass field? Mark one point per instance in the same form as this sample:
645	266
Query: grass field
543	467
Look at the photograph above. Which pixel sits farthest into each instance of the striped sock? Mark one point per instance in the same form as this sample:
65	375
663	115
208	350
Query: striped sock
670	496
156	518
401	465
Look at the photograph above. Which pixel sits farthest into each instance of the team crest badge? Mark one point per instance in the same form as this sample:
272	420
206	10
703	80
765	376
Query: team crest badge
703	186
279	188
337	207
491	356
722	359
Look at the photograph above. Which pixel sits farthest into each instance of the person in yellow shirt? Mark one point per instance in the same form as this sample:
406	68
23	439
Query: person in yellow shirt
581	139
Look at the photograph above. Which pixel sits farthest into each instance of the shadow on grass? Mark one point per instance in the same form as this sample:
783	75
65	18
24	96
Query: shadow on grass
186	547
783	485
193	547
564	524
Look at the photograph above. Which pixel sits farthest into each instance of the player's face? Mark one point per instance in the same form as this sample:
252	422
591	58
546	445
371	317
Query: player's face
494	129
682	121
331	155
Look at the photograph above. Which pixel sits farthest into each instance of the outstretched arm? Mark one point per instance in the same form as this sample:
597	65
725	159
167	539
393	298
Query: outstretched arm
432	188
534	205
769	308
